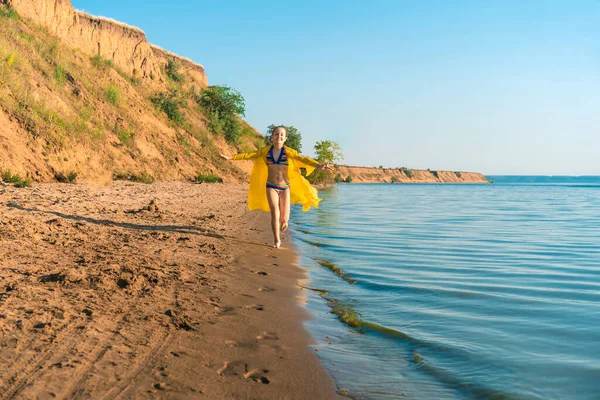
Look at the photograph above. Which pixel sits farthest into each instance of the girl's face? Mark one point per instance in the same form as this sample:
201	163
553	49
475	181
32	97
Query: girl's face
278	136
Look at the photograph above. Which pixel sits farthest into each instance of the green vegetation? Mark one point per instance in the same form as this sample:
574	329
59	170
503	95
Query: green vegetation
349	179
8	12
458	174
112	95
171	104
294	137
129	176
16	179
435	173
172	70
393	179
27	37
207	178
224	107
345	313
326	151
335	269
338	178
60	74
125	136
100	63
69	177
407	171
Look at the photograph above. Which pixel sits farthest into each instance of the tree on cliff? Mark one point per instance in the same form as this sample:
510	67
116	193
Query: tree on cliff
294	137
326	151
224	106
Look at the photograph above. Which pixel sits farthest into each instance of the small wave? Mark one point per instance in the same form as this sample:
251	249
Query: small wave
350	317
309	242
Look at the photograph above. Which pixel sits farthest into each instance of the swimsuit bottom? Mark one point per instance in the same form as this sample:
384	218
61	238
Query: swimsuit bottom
278	187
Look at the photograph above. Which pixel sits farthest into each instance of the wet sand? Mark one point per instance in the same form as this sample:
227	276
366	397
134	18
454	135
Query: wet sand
169	291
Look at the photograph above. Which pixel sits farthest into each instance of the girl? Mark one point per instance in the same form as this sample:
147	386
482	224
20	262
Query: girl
278	168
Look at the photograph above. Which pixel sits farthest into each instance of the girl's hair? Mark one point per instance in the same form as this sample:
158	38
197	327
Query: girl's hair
279	126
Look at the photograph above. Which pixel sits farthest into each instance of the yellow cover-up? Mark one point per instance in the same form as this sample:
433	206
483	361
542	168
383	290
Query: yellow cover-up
301	191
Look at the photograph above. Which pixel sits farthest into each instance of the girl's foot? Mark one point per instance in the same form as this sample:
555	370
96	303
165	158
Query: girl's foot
277	245
284	226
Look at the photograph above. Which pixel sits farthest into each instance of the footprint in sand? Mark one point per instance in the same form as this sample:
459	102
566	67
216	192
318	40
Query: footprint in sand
239	368
267	336
258	307
256	376
260	273
265	289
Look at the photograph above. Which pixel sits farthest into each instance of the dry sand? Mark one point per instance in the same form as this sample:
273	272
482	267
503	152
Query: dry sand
168	290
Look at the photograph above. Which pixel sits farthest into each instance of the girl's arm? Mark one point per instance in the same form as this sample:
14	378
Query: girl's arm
306	160
242	156
310	162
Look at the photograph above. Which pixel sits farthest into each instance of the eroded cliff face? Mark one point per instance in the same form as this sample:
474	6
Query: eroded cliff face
405	175
126	46
195	72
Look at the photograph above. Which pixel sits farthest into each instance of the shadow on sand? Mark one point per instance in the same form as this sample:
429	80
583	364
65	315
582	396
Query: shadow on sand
190	230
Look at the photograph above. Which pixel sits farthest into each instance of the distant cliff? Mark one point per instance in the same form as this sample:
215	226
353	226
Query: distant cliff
406	175
124	45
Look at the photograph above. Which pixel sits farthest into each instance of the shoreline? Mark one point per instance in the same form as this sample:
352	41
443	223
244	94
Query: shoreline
169	290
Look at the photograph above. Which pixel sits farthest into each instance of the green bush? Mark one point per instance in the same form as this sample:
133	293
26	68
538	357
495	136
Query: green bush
170	103
338	178
458	174
407	171
319	177
97	61
434	173
393	179
112	95
224	106
207	178
172	70
142	178
69	177
16	179
349	179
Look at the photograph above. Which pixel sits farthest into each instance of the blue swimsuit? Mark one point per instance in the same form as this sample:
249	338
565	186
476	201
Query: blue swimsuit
282	160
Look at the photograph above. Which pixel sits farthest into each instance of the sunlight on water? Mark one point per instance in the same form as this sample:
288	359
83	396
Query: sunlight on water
460	291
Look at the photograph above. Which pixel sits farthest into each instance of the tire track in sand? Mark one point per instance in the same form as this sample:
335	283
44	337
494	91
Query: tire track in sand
33	365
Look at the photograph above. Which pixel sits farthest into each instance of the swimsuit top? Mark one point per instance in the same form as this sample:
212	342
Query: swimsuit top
282	160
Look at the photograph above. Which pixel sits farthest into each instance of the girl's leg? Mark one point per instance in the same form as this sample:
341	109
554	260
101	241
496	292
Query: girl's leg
273	198
284	209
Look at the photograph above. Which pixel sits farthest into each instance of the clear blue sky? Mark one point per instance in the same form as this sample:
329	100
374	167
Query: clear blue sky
498	87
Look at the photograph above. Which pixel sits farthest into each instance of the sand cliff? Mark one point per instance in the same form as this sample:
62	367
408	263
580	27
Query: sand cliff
126	46
406	175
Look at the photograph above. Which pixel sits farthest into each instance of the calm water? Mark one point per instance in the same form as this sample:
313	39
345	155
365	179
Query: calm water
464	291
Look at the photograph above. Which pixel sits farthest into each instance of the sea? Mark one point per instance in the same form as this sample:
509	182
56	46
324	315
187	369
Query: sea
456	291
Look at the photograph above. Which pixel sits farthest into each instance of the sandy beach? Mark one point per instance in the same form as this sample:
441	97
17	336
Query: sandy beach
169	290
